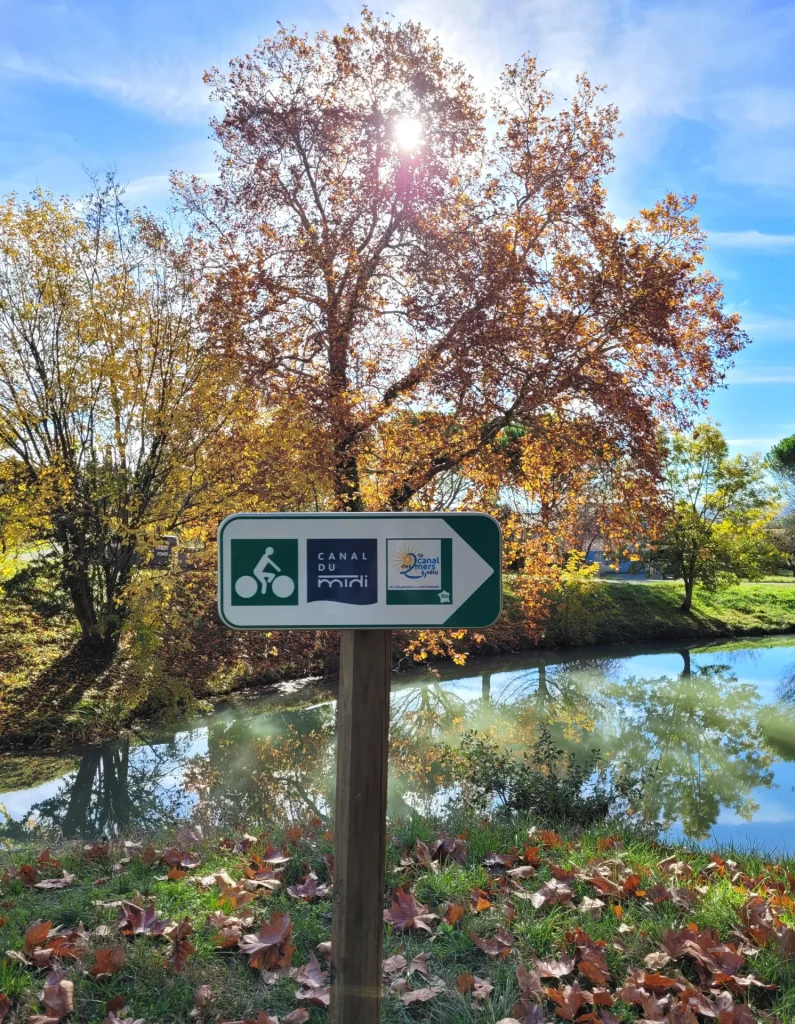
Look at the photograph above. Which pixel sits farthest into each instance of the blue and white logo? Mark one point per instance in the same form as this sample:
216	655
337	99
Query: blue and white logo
342	570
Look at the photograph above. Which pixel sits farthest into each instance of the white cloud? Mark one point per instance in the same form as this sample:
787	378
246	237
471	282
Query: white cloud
761	374
168	89
774	328
716	64
751	240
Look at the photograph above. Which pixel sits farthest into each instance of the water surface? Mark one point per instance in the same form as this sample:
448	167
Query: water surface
716	725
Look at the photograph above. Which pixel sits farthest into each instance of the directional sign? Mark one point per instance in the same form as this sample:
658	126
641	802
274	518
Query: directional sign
365	570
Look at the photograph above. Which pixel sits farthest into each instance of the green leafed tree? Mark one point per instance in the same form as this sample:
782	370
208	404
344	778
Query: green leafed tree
113	413
719	511
781	463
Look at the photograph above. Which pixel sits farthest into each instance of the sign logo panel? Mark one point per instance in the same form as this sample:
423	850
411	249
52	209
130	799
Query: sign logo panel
343	570
265	572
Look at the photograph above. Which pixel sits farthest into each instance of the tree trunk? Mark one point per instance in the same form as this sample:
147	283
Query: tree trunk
687	670
687	604
486	688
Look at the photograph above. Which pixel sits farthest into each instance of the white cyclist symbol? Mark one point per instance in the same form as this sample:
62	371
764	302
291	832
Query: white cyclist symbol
281	586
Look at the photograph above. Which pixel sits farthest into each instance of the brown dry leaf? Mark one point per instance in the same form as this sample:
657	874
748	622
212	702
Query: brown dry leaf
270	949
500	862
299	1016
656	961
56	883
202	997
175	874
529	983
311	975
324	948
406	913
317	996
113	1019
27	875
176	858
520	873
453	914
275	857
568	1000
137	920
419	964
554	893
58	994
422	995
593	908
447	848
554	968
107	960
498	946
309	888
5	1006
46	860
181	947
480	901
394	964
35	934
423	855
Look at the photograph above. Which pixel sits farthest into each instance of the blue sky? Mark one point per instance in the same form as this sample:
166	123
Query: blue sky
706	91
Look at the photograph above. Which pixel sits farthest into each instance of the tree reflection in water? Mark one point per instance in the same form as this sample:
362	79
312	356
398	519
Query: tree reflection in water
117	789
710	738
279	767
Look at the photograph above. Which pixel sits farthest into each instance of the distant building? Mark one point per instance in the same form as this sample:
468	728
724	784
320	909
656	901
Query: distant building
623	568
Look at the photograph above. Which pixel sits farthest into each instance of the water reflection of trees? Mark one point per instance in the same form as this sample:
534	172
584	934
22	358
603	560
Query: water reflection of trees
279	767
704	735
709	737
117	789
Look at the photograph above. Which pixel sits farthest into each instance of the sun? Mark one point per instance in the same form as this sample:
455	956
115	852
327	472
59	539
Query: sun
408	134
404	559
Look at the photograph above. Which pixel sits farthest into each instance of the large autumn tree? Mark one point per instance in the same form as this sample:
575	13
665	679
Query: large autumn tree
433	286
117	422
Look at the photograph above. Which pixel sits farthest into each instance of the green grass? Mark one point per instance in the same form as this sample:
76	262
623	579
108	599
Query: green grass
639	612
152	991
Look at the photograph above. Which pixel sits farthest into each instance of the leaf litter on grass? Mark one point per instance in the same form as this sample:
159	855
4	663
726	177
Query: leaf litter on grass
684	972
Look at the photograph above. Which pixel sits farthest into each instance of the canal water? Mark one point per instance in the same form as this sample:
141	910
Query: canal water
713	728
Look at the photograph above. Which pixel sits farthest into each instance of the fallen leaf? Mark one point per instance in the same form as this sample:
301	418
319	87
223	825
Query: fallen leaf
58	994
422	995
554	968
107	960
35	934
5	1006
308	889
453	914
498	946
593	908
137	920
406	913
554	893
419	964
318	996
299	1016
311	975
394	964
181	947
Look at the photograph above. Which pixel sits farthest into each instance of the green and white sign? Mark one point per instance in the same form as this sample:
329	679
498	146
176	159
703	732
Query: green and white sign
368	570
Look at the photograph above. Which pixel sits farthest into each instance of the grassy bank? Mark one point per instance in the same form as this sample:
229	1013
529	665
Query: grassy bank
637	928
52	694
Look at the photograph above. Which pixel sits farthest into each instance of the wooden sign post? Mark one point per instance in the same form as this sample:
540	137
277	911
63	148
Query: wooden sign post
360	825
363	574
